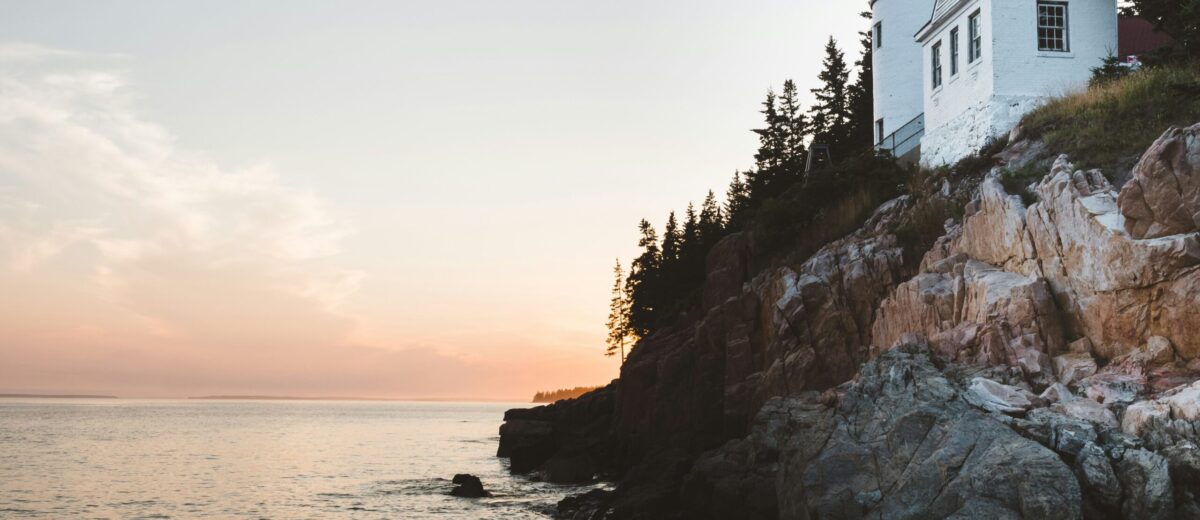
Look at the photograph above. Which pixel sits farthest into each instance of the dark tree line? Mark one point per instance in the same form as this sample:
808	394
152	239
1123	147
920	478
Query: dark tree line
665	279
563	393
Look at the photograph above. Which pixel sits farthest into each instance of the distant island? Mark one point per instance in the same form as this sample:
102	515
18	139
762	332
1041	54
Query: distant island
49	396
563	393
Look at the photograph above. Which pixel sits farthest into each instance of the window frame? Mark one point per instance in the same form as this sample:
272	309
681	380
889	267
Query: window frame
1064	36
878	36
935	61
954	52
879	130
975	32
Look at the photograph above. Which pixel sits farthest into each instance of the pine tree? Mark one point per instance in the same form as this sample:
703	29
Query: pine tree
618	316
670	240
642	283
768	160
861	102
771	136
794	128
830	115
737	201
712	221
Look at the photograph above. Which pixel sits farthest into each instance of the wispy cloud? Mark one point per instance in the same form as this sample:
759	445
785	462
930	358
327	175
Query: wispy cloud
82	174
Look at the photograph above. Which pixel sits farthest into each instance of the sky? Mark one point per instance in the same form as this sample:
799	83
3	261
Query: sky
393	199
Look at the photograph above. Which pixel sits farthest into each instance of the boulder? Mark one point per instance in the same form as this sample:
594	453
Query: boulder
1099	481
1141	415
1056	392
1113	388
468	486
995	397
1088	410
1163	197
1146	479
1185	403
1159	352
1074	367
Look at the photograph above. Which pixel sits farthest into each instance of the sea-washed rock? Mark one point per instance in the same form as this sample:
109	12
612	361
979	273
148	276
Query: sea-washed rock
468	486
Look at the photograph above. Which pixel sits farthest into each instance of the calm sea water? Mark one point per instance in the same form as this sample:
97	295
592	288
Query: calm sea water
256	459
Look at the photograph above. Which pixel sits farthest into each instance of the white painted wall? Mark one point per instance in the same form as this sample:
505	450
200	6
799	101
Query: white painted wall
897	65
974	82
987	98
1021	70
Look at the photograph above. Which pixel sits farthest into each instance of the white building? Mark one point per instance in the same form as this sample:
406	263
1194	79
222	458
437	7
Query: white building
897	62
986	63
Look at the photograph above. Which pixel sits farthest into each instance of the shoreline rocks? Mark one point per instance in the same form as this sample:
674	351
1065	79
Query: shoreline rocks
468	486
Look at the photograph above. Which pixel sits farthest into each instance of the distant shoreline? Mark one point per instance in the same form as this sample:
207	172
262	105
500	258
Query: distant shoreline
363	399
265	398
55	396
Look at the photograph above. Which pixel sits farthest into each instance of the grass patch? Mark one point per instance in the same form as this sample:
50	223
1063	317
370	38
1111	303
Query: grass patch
1112	123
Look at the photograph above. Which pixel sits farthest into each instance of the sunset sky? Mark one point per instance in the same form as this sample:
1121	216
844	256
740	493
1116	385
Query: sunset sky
406	199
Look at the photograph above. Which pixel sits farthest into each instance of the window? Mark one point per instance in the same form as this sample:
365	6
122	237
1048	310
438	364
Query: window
975	46
954	51
936	62
879	131
879	35
1052	27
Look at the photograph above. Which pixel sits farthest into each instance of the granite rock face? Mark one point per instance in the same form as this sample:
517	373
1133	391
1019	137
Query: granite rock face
1085	276
1163	198
901	442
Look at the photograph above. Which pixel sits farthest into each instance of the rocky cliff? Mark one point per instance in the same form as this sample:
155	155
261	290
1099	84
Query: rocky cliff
1038	361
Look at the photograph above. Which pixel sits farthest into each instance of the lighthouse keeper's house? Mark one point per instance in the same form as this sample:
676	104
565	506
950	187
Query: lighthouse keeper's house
947	82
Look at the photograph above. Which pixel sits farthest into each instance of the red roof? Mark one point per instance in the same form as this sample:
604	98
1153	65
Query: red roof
1137	36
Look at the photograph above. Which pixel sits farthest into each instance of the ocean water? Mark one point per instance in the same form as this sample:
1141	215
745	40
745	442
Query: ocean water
257	459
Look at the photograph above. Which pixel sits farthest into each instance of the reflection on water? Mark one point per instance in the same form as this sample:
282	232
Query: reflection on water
256	459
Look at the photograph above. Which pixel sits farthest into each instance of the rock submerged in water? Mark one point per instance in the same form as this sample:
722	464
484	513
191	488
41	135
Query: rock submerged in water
468	486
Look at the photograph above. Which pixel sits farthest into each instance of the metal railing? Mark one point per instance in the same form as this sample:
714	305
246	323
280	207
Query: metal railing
904	140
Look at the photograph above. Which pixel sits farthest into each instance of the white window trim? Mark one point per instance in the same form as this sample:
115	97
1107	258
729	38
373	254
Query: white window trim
937	69
975	32
1066	27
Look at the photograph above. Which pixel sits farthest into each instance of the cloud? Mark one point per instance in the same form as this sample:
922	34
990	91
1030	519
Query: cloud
27	52
90	190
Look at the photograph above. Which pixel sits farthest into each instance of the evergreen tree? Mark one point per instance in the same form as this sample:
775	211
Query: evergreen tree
712	222
618	316
861	98
670	241
830	115
642	283
794	128
691	232
772	139
737	201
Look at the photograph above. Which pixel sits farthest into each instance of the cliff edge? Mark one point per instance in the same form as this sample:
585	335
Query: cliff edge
1039	360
